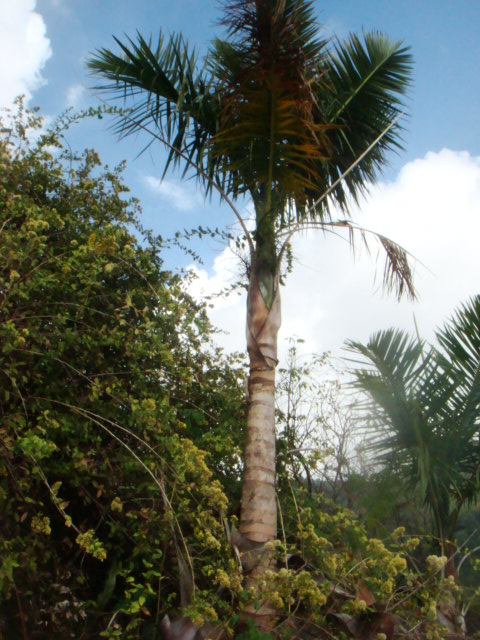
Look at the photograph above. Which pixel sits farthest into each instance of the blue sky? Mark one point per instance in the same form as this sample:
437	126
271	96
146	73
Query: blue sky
443	35
429	198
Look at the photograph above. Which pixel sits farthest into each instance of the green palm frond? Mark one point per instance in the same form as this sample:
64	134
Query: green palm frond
166	90
366	84
272	103
275	112
267	134
393	354
459	357
424	409
401	428
290	24
392	362
460	344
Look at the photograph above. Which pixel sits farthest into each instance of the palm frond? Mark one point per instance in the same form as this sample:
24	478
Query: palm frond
164	88
424	408
459	358
397	274
275	112
267	133
460	342
272	105
364	91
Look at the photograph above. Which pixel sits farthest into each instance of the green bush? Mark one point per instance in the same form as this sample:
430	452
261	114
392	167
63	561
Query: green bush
108	387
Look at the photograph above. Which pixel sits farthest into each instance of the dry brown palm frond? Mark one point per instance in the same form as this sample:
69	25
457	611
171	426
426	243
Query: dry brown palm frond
397	274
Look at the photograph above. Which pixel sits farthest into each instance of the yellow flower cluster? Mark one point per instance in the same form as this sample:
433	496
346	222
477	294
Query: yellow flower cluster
230	577
436	563
41	524
207	539
116	504
91	544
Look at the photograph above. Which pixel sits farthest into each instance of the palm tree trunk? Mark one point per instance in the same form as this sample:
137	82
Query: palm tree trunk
258	520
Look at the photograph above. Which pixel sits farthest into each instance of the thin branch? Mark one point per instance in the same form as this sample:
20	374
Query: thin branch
201	172
4	224
55	500
21	614
95	417
159	483
465	557
282	526
421	585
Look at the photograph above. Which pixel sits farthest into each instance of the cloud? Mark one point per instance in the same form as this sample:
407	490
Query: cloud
75	95
432	209
174	193
24	49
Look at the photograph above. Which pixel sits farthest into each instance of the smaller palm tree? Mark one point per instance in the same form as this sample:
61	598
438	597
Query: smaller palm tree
423	412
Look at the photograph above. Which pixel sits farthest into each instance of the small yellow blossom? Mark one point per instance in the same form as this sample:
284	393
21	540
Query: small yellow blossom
41	524
436	563
116	505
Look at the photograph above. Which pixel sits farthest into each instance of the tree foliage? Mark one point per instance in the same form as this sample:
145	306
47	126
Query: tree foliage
108	388
297	124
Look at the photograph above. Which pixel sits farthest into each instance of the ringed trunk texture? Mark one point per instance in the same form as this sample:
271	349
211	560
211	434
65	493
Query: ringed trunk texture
258	520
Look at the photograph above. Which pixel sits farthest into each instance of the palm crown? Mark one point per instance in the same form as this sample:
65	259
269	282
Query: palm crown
275	111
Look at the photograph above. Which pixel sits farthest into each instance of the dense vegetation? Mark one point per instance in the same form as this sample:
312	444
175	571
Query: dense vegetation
108	384
121	431
423	405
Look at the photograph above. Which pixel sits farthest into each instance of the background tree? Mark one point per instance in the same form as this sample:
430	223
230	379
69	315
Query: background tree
423	411
294	122
315	428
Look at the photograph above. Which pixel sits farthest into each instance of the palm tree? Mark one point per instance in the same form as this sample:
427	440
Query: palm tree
296	123
423	405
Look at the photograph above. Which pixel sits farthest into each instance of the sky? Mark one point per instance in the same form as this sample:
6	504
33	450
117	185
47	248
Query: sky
428	199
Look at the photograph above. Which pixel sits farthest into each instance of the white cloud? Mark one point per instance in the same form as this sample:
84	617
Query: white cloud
432	209
75	95
24	49
175	193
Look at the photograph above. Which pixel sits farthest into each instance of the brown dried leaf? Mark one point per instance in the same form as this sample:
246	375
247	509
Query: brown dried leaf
364	593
